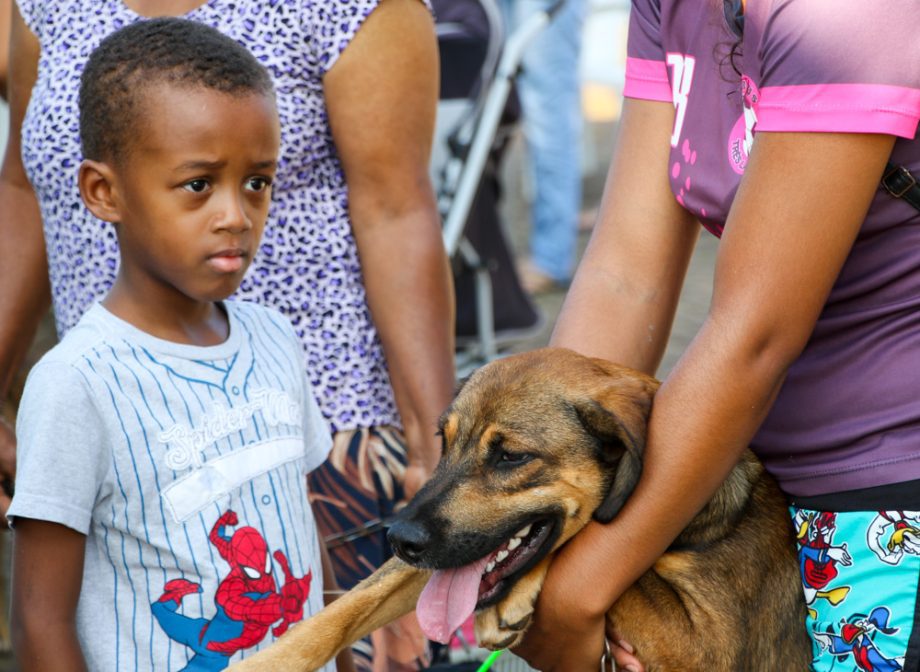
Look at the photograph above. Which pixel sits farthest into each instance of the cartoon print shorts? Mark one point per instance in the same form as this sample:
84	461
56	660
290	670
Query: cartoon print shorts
860	572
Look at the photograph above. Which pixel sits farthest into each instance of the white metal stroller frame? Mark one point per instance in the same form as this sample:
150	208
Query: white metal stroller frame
467	137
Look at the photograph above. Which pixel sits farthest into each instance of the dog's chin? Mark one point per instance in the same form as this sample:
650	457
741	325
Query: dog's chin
514	558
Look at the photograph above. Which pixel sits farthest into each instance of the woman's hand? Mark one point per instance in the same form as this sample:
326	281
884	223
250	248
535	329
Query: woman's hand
623	652
568	630
417	474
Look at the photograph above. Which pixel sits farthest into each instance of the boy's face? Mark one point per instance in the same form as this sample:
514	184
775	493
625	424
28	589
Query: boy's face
192	194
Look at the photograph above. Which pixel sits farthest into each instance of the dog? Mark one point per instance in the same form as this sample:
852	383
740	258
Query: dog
534	447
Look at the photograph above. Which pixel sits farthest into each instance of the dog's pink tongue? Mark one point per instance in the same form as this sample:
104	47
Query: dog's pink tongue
448	600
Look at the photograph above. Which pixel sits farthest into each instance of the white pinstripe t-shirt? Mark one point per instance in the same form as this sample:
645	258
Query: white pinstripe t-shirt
145	446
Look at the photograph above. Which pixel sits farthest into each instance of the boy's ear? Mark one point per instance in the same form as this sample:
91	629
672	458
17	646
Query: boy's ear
96	180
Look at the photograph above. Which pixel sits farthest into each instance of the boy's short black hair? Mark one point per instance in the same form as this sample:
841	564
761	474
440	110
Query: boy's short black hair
171	50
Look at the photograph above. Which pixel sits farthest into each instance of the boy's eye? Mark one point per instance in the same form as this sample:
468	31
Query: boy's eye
258	183
196	186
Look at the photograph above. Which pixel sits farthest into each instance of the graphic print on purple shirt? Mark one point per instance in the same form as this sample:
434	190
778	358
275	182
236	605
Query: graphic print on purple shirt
742	134
847	416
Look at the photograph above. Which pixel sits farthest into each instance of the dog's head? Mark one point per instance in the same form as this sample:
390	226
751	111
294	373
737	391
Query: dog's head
534	445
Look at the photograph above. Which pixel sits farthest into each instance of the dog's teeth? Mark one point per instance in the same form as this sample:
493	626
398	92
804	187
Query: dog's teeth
490	566
501	555
524	532
514	543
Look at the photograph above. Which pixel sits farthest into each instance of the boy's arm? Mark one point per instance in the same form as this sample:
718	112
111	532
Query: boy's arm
47	575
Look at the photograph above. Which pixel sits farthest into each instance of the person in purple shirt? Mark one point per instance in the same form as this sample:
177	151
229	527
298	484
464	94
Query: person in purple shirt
770	123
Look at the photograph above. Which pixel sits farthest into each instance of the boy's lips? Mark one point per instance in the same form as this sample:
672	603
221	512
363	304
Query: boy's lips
228	261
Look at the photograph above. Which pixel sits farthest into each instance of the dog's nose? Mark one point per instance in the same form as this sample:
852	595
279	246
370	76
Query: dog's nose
409	540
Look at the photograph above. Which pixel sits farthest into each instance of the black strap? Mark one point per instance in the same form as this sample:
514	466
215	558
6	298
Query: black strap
901	183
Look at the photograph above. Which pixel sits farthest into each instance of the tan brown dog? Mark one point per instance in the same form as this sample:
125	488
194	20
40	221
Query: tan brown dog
536	445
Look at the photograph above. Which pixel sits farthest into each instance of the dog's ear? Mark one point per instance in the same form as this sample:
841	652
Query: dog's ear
617	417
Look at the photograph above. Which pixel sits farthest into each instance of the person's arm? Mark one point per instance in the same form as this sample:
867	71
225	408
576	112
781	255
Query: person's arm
381	95
24	290
624	296
784	245
6	10
46	580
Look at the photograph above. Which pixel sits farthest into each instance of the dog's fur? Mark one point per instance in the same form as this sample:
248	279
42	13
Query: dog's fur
551	439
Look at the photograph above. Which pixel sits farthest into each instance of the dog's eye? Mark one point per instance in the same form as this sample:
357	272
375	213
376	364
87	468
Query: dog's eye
513	459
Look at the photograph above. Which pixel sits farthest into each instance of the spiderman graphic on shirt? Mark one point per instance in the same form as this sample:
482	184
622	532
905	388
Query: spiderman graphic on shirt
247	601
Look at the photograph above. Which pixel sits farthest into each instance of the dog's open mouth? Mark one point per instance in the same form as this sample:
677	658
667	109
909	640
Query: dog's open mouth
452	595
510	558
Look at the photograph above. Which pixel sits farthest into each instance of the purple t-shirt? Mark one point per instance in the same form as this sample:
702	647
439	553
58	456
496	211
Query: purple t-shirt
307	266
848	415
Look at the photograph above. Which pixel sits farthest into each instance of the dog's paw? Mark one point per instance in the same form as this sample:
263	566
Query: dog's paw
503	626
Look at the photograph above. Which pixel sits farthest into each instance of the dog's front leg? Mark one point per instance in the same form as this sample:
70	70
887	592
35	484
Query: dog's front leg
384	596
503	625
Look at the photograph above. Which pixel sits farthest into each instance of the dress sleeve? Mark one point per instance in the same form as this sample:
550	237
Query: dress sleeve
333	25
646	69
62	452
33	13
825	65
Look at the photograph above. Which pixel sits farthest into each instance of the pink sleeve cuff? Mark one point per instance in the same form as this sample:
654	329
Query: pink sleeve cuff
840	108
647	80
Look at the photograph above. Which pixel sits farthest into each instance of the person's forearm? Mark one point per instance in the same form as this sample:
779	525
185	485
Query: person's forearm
24	290
624	296
44	645
411	299
617	318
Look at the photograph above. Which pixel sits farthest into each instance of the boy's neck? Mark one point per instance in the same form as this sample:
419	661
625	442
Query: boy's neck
195	323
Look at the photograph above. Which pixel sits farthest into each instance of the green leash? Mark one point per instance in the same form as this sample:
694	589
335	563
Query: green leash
488	662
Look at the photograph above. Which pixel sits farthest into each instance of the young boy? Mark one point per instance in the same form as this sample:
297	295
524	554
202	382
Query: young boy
161	518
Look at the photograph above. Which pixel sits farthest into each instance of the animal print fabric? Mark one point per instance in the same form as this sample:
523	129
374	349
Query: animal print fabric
307	266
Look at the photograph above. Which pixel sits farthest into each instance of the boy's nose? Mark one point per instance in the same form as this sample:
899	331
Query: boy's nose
233	216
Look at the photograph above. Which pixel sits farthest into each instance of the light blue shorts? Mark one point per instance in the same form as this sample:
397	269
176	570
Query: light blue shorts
860	573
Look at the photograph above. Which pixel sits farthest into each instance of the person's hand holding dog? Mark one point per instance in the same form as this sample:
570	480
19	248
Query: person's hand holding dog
568	630
548	647
417	474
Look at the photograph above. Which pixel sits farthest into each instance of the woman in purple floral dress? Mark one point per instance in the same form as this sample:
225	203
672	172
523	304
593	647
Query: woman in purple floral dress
352	253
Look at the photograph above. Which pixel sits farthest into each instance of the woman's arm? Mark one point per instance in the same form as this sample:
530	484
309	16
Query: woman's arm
24	290
6	10
624	295
46	581
801	203
381	95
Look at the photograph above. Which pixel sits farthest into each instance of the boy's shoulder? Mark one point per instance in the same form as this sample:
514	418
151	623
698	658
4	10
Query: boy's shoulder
88	335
